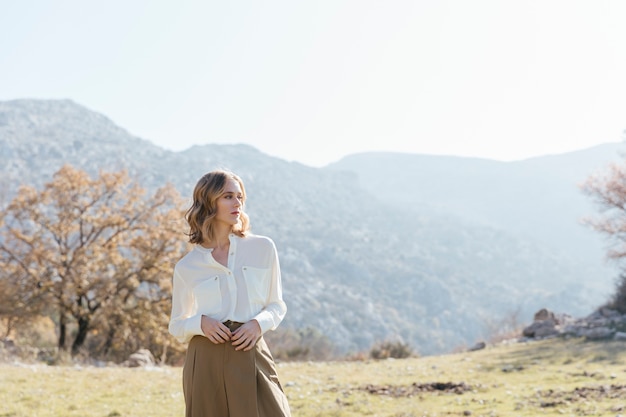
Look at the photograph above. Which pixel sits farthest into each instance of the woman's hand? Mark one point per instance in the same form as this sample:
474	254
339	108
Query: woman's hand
245	337
214	330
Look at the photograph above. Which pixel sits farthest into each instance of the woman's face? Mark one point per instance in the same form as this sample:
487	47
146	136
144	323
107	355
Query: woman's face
229	204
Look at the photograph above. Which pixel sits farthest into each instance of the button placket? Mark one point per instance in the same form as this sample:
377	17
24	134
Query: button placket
232	283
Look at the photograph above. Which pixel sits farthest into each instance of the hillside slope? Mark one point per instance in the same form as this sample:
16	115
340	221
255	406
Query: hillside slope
360	262
538	200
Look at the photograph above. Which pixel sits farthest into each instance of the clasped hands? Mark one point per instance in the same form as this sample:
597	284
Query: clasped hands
244	338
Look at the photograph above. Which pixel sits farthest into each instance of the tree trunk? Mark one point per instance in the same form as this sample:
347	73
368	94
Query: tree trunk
9	327
62	331
164	353
81	334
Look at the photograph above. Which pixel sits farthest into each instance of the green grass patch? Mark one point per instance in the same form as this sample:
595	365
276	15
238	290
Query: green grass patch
549	378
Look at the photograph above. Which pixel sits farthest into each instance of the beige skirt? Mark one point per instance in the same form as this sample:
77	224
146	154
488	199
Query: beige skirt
219	381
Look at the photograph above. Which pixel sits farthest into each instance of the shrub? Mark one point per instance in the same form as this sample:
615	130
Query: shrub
390	349
300	344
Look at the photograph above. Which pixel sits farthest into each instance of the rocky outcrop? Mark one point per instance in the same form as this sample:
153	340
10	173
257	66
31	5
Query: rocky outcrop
602	324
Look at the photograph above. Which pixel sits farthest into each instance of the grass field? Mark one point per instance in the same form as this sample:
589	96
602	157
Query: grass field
548	378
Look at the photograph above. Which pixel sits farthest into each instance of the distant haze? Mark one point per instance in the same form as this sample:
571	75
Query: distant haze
315	81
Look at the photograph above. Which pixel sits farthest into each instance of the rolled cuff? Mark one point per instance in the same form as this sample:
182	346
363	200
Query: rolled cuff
190	327
269	320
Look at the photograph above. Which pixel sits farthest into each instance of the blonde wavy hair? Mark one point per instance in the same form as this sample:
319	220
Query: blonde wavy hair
204	207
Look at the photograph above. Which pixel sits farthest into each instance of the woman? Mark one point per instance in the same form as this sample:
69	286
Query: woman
226	293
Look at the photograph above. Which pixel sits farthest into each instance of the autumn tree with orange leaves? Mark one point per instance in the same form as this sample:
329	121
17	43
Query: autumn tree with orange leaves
608	190
95	255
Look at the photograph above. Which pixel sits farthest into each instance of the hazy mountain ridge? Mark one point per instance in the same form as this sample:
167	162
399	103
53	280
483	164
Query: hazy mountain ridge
362	259
537	198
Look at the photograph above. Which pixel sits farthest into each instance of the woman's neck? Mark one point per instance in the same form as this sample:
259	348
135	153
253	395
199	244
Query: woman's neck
221	240
220	243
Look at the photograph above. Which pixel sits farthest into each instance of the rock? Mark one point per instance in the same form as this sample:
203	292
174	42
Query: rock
597	333
541	328
478	346
608	312
512	368
544	314
602	324
143	357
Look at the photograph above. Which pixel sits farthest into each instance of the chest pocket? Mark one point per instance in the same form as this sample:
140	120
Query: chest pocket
258	283
208	295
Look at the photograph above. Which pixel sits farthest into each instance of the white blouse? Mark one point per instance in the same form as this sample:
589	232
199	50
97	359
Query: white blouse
249	288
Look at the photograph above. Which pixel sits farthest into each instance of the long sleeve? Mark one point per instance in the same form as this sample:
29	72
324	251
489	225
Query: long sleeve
183	323
275	309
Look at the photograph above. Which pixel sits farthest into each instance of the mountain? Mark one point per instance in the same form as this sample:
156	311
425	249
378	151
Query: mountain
537	199
476	188
372	247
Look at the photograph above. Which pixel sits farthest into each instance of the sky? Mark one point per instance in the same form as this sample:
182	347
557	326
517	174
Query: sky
315	80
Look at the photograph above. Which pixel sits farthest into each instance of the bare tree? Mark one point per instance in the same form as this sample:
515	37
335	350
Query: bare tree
608	190
98	252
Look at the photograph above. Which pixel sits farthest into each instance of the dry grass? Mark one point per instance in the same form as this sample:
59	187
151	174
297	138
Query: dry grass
549	378
42	391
